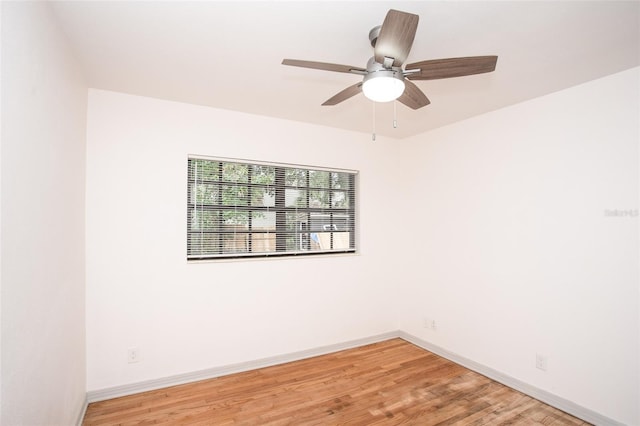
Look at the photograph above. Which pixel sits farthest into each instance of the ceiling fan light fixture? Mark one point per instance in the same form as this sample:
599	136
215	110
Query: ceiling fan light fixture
383	86
385	73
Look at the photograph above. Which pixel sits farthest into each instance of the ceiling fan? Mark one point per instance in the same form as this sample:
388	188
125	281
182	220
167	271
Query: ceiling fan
385	79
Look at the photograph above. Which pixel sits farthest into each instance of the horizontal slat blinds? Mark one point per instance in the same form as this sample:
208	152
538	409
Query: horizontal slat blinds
242	209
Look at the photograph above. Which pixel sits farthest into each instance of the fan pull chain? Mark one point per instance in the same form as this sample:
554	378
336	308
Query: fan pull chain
395	115
373	133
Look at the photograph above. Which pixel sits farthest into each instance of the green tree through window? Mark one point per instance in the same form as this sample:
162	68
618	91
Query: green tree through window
237	209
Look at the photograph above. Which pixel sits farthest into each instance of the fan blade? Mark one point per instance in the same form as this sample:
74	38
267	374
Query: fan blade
413	96
396	37
344	95
452	67
323	66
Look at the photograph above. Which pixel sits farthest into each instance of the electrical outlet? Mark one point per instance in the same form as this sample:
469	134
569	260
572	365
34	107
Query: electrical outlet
541	362
133	355
429	323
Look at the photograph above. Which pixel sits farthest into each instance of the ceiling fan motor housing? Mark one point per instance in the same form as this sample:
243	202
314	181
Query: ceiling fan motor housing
384	73
373	66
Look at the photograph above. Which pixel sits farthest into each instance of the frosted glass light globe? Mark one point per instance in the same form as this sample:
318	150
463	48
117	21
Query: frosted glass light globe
383	88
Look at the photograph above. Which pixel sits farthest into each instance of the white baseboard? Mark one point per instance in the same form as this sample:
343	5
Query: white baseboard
83	411
532	391
539	394
179	379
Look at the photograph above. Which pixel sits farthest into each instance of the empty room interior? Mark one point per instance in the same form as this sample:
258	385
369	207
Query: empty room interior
164	217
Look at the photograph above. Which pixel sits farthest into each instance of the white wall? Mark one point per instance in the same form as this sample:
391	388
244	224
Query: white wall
517	254
187	317
44	100
1	118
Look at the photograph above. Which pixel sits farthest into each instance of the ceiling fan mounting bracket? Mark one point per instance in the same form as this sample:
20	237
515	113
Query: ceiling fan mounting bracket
409	72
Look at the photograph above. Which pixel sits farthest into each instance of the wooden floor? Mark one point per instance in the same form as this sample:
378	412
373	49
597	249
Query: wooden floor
387	383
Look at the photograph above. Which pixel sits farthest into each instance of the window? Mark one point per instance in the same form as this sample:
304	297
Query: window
241	209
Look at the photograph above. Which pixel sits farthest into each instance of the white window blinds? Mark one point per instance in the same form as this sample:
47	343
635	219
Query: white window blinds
240	209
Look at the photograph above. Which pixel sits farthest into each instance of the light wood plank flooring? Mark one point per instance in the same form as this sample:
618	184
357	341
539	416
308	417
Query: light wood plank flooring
387	383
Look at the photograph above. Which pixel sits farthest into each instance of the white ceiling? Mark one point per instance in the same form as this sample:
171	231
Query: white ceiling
228	54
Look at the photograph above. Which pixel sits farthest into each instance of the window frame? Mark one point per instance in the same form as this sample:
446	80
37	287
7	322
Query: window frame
346	217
